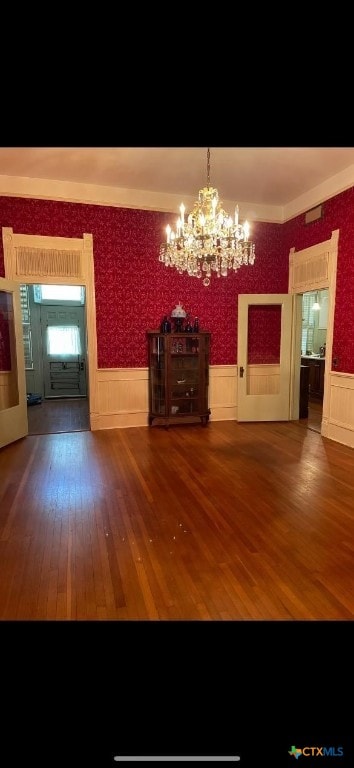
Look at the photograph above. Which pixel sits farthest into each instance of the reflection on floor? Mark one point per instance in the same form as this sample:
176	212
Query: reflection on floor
72	415
315	415
53	416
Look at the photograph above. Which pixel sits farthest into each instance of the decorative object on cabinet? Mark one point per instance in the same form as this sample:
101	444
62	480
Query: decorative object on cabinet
165	326
209	241
178	314
178	377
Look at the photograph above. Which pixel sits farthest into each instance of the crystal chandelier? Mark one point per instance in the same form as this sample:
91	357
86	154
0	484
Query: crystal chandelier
210	241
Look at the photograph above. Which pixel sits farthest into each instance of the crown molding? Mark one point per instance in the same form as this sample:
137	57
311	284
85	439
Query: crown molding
94	194
329	188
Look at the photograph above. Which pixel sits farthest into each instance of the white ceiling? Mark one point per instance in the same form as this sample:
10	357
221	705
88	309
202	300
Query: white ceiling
292	177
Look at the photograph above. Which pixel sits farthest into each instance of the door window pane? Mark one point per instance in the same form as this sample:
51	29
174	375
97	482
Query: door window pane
264	328
58	293
63	340
263	353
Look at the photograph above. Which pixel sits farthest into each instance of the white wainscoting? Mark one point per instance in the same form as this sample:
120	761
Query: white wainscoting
123	400
263	379
340	423
223	392
123	396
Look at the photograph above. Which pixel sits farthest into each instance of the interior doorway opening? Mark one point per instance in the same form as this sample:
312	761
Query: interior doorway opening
313	355
55	349
313	269
52	260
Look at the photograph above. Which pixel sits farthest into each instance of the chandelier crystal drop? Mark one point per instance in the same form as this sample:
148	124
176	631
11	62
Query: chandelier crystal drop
209	241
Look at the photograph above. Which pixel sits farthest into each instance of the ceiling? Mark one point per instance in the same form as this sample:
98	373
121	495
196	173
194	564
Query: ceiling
264	176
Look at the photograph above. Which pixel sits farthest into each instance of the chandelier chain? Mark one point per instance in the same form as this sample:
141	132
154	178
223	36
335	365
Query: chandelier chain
208	168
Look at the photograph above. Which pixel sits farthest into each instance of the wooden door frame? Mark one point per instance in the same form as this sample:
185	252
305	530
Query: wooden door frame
312	269
58	261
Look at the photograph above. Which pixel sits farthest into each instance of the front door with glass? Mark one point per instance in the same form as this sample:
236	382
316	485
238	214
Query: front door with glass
63	334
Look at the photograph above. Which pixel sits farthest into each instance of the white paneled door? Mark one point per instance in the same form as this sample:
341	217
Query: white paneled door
13	399
64	351
264	348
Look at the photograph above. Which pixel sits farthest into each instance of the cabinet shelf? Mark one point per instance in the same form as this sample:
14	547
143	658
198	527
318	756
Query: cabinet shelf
178	378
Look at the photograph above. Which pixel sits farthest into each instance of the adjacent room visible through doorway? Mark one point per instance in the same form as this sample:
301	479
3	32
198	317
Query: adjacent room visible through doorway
54	334
60	415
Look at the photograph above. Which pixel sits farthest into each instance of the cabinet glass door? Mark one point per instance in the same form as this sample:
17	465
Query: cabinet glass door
205	389
184	380
157	375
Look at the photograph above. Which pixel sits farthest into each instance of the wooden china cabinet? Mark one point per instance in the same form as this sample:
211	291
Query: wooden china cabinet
178	377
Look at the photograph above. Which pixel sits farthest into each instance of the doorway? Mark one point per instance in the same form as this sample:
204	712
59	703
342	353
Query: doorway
55	350
314	269
313	352
314	418
59	260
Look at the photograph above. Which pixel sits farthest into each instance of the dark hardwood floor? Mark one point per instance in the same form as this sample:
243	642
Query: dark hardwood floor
314	418
225	522
58	415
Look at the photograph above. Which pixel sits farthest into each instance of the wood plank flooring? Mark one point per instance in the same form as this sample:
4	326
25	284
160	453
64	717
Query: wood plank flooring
314	418
227	522
52	416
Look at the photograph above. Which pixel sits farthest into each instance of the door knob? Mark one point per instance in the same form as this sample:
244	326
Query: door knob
242	370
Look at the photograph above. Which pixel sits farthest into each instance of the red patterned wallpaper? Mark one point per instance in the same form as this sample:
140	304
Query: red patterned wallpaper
338	214
264	328
134	290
